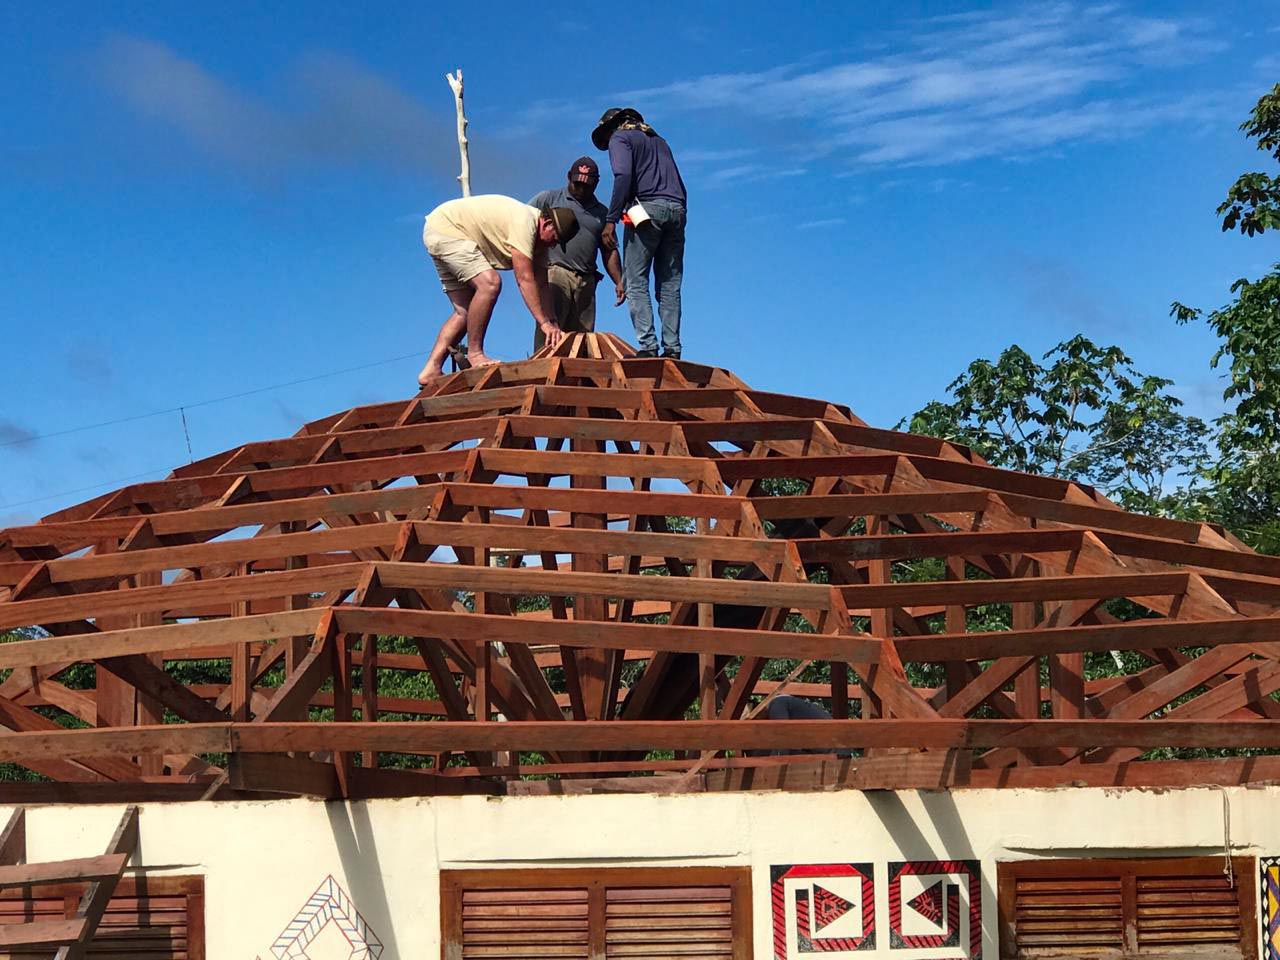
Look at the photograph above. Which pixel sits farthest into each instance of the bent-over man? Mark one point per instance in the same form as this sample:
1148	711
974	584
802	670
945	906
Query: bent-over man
470	240
572	273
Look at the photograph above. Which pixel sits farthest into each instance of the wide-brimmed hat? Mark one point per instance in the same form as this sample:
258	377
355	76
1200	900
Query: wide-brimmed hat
566	222
609	120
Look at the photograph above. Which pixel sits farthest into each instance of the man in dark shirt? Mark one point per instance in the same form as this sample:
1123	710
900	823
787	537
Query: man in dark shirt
571	272
644	171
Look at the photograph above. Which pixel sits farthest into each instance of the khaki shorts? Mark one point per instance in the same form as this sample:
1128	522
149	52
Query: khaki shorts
457	261
573	297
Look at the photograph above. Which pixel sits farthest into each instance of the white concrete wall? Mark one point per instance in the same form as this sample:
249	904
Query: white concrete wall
262	861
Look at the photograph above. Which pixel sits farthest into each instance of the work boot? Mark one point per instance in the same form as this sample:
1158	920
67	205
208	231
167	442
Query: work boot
646	354
671	356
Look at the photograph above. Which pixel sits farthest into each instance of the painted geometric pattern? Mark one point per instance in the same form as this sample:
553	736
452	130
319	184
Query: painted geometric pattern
1269	898
823	908
944	906
329	904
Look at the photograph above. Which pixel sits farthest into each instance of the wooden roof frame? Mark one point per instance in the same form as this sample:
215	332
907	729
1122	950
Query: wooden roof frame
413	519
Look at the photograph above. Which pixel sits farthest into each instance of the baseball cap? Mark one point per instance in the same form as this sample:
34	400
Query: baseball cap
584	170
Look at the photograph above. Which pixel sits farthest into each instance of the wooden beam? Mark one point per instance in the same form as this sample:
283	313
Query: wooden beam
93	904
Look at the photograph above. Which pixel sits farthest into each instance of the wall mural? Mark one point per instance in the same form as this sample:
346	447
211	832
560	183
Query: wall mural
329	904
933	909
1269	900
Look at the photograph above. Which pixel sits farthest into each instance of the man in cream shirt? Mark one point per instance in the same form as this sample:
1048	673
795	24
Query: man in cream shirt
470	240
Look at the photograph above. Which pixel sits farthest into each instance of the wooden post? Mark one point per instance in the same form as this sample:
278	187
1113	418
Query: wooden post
455	84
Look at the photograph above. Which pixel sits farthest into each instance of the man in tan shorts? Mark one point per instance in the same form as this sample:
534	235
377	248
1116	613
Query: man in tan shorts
470	240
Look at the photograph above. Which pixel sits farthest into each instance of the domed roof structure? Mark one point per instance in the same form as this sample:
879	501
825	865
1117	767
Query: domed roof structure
590	570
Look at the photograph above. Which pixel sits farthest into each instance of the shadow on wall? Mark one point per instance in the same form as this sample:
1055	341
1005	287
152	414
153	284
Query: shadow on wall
353	836
940	807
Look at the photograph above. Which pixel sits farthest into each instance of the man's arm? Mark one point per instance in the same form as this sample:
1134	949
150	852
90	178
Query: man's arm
537	295
620	163
613	267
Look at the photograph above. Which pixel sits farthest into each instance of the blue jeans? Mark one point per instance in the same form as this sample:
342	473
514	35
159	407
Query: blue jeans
658	244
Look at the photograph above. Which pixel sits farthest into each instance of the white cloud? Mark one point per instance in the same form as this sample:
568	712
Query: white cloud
819	224
964	86
745	173
328	111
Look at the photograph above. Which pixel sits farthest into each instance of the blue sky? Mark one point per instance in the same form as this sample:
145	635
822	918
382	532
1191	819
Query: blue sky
200	204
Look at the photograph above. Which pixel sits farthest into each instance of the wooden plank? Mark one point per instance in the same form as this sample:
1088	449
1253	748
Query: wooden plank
83	868
618	636
93	904
1136	635
40	933
13	839
167	638
415	737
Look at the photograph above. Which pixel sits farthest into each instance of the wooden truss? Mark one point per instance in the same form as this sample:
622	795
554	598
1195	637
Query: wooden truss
66	938
596	560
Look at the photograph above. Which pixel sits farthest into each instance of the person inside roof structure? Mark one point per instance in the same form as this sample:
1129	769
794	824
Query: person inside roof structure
470	240
645	173
571	273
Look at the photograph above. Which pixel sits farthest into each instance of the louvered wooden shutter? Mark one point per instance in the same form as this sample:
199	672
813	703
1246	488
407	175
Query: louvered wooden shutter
659	922
151	918
515	923
608	914
1169	907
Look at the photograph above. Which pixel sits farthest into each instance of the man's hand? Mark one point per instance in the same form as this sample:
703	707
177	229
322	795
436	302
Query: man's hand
552	332
608	236
621	293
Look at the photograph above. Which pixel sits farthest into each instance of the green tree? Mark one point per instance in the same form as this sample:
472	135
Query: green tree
1253	202
1245	481
1083	413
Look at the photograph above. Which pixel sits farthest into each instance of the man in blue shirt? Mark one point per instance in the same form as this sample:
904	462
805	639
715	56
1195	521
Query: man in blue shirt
644	171
571	272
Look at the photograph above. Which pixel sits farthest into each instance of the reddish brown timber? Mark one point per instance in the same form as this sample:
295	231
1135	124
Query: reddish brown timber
124	791
524	462
971	592
1136	635
162	598
1211	558
598	501
93	904
195	490
443	736
916	545
13	839
282	774
871	504
41	933
619	636
122	564
168	637
83	868
530	582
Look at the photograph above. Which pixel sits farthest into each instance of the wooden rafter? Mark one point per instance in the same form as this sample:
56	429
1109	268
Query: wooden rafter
515	526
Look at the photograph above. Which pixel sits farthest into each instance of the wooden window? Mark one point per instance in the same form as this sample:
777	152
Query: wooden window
1165	908
587	914
147	918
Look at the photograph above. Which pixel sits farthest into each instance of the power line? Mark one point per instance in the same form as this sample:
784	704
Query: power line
92	486
203	403
181	410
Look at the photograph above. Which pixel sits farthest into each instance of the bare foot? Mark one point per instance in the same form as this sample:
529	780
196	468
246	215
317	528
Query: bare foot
430	372
481	359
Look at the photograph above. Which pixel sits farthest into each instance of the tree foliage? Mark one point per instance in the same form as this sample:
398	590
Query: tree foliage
1082	412
1244	482
1253	202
